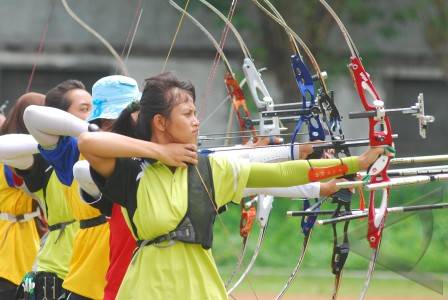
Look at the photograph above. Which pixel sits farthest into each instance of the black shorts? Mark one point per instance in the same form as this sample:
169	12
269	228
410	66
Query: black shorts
7	290
46	286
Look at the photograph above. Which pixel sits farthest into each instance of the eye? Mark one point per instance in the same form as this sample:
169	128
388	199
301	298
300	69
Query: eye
85	108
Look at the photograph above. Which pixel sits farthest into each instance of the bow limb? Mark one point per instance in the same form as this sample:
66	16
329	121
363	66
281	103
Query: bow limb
264	207
212	72
380	134
380	131
235	92
233	88
268	127
324	97
305	84
332	118
239	105
109	47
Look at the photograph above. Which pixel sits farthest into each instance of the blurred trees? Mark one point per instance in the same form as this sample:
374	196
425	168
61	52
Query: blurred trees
314	25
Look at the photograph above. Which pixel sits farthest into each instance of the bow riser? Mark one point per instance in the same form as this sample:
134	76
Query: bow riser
376	218
240	107
305	84
380	134
271	126
380	130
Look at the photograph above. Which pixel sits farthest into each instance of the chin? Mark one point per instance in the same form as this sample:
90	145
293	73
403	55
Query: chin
186	140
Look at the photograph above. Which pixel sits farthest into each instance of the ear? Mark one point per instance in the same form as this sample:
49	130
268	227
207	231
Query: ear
159	122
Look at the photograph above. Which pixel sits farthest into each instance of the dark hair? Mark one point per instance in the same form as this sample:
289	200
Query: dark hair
14	121
160	95
125	124
56	96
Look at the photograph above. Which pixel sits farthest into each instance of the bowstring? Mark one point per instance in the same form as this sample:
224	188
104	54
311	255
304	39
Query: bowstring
89	29
217	59
173	41
219	51
40	49
125	52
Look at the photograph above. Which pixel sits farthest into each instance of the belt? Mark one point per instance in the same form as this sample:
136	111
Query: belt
59	226
19	218
92	222
184	234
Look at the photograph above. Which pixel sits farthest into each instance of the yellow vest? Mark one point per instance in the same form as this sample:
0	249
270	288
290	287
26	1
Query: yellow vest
19	242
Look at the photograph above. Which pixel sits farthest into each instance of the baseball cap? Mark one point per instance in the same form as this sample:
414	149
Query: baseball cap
111	94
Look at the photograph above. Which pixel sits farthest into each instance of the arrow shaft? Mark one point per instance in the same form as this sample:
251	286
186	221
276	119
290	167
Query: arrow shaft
358	214
419	159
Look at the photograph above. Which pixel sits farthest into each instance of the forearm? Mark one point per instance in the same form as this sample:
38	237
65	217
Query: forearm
17	150
293	173
81	172
112	145
47	124
265	154
310	190
261	154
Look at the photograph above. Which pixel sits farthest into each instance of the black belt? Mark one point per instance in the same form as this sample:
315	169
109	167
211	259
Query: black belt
92	222
180	234
61	225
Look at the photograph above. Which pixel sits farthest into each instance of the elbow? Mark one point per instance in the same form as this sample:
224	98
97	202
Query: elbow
31	116
84	141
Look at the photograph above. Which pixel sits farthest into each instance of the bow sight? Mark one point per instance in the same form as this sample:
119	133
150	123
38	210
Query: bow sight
417	110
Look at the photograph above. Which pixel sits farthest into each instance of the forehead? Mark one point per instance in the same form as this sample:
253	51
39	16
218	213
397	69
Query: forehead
79	96
179	95
185	103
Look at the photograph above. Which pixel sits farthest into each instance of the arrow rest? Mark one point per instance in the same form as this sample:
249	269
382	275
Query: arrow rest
247	219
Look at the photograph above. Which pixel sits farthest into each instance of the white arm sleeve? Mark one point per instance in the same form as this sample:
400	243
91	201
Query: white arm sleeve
47	124
308	191
81	172
262	154
270	155
16	150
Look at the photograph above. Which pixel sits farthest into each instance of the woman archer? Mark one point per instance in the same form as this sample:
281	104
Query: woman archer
171	195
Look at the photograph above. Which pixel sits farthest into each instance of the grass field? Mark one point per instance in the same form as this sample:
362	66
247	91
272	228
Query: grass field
413	244
319	285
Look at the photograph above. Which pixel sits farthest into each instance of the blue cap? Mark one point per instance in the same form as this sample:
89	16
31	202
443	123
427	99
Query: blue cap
111	94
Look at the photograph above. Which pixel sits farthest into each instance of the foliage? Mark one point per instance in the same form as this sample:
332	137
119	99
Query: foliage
316	27
406	238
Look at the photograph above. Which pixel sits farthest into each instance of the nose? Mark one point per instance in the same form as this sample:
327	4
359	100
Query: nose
196	121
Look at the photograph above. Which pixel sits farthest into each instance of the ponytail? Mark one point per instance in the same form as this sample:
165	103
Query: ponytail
125	124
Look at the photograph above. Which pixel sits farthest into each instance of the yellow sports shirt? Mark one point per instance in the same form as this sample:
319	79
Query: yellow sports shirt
19	241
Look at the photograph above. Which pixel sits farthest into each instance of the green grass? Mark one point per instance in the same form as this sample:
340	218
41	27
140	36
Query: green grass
305	284
416	242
